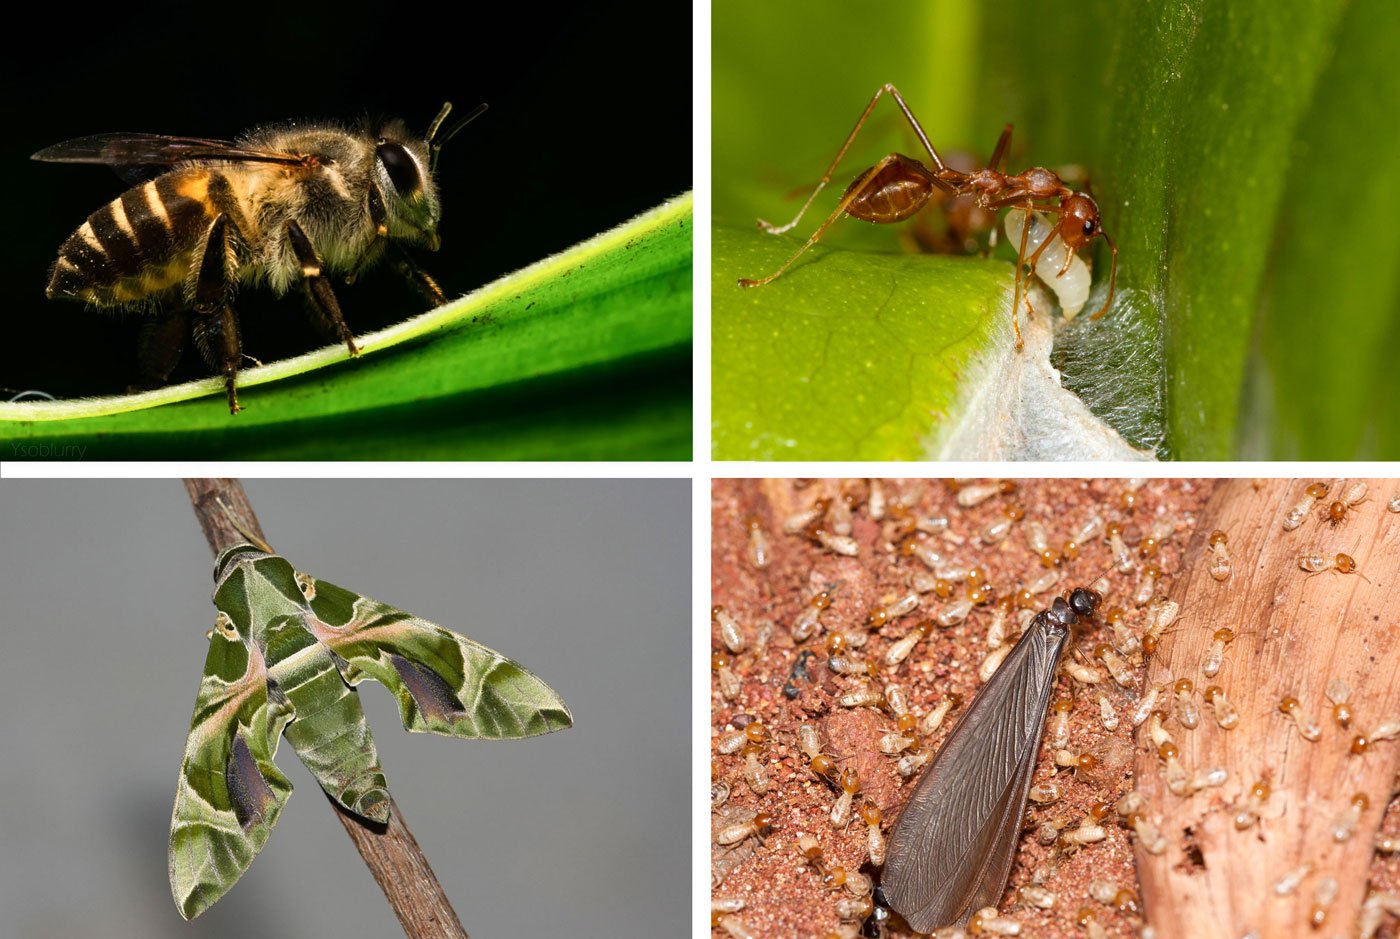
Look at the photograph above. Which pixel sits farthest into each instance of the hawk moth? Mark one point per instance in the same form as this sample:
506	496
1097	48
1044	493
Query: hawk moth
284	654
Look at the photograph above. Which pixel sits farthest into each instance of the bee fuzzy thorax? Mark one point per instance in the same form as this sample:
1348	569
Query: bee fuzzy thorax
284	206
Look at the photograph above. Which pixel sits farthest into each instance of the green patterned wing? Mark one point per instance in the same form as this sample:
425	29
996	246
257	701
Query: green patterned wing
444	683
230	793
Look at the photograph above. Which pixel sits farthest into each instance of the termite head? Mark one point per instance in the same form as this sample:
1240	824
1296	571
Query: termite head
1079	220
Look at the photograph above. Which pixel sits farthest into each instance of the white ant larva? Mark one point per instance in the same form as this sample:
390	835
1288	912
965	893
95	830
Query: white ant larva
900	649
837	544
864	697
839	515
934	719
883	615
1117	666
1289	882
1186	711
1146	706
1122	557
1323	894
1059	723
756	827
729	685
1160	615
1068	276
809	620
759	552
1337	692
1247	809
1345	825
911	763
1084	674
954	613
1295	515
1036	538
1219	556
1037	896
1225	714
993	662
1147	587
974	495
997	530
1316	564
987	921
1307	728
1044	582
797	524
1223	637
875	501
1107	715
730	631
874	837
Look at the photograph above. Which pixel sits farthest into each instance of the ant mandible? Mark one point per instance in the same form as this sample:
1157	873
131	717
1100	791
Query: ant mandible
899	186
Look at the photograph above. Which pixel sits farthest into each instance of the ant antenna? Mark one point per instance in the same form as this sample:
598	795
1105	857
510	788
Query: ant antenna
435	144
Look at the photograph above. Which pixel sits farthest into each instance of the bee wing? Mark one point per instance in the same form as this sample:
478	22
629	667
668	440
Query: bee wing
952	847
129	150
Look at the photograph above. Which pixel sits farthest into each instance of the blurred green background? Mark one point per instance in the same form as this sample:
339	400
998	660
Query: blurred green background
1242	155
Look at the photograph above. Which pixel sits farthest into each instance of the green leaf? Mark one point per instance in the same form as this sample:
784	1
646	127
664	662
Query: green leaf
855	359
584	355
1235	150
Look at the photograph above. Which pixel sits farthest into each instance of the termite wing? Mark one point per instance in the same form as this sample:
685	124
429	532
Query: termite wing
951	850
284	653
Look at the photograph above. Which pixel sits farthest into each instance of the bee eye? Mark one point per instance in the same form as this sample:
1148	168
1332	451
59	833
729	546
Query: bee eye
402	170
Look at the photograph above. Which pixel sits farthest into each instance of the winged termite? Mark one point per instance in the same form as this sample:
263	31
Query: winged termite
950	852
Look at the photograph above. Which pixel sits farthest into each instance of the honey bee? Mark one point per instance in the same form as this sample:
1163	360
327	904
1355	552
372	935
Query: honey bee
285	205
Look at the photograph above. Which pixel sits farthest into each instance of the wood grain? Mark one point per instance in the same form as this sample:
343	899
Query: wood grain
1294	633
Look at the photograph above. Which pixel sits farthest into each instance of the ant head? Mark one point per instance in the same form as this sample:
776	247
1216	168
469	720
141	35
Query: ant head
1079	220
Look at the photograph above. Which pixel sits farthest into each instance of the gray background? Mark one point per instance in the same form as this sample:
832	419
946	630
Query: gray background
584	832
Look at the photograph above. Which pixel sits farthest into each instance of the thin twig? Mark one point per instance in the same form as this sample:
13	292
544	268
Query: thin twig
392	854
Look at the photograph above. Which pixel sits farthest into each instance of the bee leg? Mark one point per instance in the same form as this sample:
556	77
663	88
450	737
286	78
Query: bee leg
215	325
318	289
420	279
159	345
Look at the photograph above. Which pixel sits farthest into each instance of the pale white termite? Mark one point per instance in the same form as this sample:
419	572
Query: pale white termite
1324	893
1036	539
1107	715
991	923
1177	778
934	525
1248	807
1122	557
1070	281
839	515
843	664
860	698
1338	693
1307	727
997	529
1345	825
874	837
1147	587
756	827
893	744
993	662
1295	515
899	649
924	552
882	615
1219	555
730	631
726	904
837	544
1394	504
1044	582
977	493
1084	674
736	928
1059	723
1317	563
797	523
875	500
1160	616
954	613
1146	706
1037	896
1044	792
1206	779
1216	654
732	741
1116	665
1289	882
1088	832
759	551
911	763
934	719
1225	714
1350	498
755	773
809	620
729	685
1187	714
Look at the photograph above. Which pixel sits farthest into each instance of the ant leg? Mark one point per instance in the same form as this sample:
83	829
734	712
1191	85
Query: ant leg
840	155
215	325
846	200
1112	276
318	289
1003	145
1016	296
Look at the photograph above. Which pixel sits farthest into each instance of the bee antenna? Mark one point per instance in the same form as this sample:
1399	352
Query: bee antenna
434	142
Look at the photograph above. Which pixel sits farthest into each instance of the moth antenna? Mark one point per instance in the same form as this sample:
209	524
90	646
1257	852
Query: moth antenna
435	144
253	539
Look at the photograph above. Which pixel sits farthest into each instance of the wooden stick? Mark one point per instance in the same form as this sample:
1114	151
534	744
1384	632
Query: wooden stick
392	855
1294	633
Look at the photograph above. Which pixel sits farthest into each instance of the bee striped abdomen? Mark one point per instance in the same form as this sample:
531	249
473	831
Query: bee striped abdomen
139	245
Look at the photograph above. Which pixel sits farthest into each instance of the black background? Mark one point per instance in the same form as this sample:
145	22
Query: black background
589	124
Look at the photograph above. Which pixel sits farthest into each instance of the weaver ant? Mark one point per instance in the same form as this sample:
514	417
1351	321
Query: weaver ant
898	186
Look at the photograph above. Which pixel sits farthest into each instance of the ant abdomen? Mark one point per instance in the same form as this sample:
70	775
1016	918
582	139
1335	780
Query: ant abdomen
892	190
